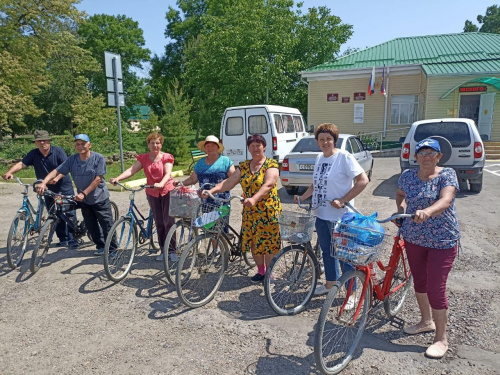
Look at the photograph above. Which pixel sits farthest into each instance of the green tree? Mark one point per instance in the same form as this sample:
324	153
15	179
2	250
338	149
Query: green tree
121	35
29	30
176	121
490	22
252	52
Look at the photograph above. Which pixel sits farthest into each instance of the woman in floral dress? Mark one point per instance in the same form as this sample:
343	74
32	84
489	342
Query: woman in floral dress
258	178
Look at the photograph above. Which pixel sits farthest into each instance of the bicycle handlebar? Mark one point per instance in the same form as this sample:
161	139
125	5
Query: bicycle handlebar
20	182
142	187
217	199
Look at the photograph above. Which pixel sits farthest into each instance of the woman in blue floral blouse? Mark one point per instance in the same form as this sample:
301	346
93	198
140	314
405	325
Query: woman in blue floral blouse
431	238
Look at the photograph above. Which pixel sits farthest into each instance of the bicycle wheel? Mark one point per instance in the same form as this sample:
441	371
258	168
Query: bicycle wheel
290	280
117	263
200	270
248	258
338	330
114	210
17	239
42	244
400	285
180	233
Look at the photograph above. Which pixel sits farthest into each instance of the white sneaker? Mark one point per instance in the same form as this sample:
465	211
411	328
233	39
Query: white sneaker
320	290
159	258
172	257
351	302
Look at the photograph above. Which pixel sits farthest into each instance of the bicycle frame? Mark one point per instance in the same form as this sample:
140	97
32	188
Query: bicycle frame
380	292
132	213
30	210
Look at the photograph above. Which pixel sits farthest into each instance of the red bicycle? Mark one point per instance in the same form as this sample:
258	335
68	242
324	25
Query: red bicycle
345	311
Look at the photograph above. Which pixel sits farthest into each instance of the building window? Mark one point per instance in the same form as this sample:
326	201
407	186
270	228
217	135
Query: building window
404	109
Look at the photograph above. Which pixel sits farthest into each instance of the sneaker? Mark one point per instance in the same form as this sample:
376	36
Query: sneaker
159	258
60	244
258	278
73	244
172	257
99	251
351	302
320	290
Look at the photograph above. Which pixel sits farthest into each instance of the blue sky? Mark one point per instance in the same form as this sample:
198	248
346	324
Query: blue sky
373	21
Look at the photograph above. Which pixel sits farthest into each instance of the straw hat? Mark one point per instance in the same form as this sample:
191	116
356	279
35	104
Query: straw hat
210	138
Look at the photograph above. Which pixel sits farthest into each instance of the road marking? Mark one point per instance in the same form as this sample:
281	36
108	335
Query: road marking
495	171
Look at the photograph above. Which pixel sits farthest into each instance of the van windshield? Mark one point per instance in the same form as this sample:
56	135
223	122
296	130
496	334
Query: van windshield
456	132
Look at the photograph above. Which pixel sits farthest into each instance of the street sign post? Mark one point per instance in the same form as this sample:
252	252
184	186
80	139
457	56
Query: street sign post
113	64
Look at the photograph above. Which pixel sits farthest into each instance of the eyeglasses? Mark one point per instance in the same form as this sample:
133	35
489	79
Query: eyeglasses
428	154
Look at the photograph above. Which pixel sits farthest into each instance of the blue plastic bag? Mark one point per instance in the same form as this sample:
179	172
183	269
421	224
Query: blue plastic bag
365	230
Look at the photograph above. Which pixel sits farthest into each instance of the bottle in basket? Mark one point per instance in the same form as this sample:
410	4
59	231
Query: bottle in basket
208	220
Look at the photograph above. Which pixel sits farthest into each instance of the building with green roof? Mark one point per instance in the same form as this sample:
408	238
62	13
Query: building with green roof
425	77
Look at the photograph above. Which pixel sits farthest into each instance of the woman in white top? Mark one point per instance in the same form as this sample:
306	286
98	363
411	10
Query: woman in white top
339	178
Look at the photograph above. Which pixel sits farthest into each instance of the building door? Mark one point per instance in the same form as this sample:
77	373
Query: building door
469	107
486	109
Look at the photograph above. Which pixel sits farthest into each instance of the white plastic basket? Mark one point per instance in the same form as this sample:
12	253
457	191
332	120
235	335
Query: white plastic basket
184	202
350	245
296	227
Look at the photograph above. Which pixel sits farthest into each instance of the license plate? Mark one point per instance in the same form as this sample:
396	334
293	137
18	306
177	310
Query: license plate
306	167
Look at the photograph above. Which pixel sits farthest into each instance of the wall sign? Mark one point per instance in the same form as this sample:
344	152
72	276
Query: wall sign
473	89
359	113
346	99
332	97
360	96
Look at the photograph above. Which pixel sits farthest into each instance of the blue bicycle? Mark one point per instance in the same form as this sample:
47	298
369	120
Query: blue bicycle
129	231
26	223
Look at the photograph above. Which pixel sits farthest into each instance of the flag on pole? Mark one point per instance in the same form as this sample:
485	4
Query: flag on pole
371	84
382	86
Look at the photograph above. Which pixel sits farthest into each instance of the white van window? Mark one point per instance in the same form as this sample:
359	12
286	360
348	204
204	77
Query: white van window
288	124
234	126
299	125
279	124
257	125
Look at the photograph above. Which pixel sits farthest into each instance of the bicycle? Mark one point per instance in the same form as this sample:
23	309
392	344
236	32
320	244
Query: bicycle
26	223
293	273
118	262
184	204
203	263
344	314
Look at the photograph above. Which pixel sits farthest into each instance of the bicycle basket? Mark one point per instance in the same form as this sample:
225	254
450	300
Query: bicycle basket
212	216
184	202
296	227
349	244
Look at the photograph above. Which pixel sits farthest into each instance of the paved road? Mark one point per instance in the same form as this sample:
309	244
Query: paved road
68	318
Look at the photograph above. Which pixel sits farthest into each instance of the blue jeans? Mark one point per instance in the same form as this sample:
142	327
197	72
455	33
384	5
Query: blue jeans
324	229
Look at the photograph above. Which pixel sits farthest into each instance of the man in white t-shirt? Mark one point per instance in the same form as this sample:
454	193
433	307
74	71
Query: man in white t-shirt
337	178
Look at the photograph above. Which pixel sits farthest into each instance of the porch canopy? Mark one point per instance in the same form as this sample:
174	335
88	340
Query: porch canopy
492	81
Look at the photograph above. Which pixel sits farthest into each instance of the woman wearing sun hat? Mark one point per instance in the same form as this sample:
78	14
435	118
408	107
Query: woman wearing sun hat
431	238
211	169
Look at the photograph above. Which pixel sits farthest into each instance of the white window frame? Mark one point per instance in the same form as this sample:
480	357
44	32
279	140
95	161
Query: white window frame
402	103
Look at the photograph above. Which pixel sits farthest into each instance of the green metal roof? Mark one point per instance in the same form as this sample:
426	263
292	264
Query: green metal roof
438	54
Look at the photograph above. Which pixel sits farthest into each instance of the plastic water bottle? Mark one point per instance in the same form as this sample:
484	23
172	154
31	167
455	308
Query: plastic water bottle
208	220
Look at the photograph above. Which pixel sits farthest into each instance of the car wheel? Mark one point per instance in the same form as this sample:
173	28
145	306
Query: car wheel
476	185
292	190
369	174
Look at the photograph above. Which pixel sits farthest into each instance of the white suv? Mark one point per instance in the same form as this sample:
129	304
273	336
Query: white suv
460	143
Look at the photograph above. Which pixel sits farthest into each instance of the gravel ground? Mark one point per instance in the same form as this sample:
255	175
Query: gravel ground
68	318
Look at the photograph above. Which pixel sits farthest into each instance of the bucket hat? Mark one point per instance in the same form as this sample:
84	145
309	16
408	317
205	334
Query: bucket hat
42	135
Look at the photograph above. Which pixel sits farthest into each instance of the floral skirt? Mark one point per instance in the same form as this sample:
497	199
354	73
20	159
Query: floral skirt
261	231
